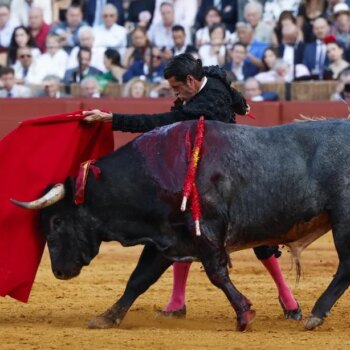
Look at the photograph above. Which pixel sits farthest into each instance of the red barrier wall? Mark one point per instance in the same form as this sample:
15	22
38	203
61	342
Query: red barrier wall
266	113
329	109
13	111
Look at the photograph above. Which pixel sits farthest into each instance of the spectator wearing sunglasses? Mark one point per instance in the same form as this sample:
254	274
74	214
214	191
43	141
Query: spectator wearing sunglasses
26	68
152	67
110	34
92	10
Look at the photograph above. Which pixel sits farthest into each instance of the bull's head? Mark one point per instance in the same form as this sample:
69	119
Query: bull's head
69	229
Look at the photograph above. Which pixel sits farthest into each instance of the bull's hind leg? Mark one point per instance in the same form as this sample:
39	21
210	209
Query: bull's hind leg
150	267
215	260
341	280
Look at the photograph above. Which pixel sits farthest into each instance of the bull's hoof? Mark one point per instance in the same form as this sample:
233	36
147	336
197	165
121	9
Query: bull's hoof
180	313
295	314
312	322
245	320
102	322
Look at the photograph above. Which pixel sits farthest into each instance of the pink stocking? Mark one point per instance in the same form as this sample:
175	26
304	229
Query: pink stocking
272	265
180	273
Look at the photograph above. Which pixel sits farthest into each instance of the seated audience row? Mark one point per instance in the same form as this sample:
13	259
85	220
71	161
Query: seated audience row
275	42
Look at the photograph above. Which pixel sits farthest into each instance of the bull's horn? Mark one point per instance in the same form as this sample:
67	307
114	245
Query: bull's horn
54	195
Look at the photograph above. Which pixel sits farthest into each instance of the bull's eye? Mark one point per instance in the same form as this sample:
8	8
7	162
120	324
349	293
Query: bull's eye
57	222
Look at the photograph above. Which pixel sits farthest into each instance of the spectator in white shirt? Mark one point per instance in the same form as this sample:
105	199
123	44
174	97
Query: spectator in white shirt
253	15
271	69
283	72
214	53
274	8
110	34
26	68
212	16
55	60
236	65
7	26
87	39
160	34
10	88
185	11
20	10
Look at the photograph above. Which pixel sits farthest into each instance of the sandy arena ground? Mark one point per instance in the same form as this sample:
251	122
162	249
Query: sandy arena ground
57	314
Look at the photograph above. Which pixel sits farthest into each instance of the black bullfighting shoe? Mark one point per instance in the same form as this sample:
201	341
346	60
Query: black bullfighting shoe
180	313
294	314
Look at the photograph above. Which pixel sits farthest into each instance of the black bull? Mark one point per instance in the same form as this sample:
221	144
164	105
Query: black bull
257	186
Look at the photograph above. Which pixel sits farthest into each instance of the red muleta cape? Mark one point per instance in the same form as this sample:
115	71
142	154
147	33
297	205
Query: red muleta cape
39	152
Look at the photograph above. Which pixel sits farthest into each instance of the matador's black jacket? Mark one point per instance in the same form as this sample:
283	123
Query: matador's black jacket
216	101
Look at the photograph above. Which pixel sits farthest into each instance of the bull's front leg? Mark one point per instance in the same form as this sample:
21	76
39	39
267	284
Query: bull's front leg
215	260
150	267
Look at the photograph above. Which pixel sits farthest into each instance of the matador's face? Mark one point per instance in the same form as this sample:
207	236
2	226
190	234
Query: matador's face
185	90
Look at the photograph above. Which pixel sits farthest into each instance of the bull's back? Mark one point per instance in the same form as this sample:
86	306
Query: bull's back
269	156
314	150
270	179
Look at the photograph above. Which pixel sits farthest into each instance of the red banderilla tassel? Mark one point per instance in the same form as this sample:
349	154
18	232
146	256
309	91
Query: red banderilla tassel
190	189
82	178
192	168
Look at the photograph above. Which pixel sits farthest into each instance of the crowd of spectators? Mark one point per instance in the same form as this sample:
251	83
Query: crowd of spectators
48	45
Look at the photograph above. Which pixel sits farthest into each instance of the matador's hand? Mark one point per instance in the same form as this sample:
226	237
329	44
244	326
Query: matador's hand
95	115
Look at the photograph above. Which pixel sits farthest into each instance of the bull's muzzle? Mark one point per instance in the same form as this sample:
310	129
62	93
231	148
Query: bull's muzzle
54	195
66	275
